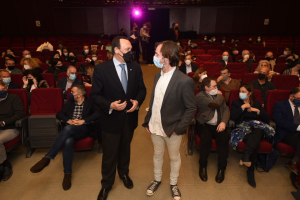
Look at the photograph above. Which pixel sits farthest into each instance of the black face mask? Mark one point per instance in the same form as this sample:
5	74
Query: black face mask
261	76
100	44
30	81
176	28
250	41
268	58
59	67
127	56
71	58
289	61
11	67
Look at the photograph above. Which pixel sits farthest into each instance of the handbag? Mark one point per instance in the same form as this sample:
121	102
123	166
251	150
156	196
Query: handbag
266	161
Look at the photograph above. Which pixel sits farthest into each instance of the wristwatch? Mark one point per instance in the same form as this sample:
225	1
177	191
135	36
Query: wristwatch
2	124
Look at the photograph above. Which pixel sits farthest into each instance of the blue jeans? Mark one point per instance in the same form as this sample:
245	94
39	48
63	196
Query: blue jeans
67	138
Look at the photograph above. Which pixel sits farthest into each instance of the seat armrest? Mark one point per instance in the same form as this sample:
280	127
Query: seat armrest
272	124
20	122
58	122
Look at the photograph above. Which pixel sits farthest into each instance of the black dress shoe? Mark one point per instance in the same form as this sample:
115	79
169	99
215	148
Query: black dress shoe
103	194
127	181
203	173
220	176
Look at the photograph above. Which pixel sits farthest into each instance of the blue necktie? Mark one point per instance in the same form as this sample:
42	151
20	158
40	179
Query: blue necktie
123	77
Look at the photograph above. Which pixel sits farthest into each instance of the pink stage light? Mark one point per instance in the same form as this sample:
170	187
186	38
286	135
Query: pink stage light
137	12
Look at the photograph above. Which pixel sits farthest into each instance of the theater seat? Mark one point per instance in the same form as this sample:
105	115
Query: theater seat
248	77
202	59
49	78
280	67
265	147
285	82
191	74
285	149
213	68
198	52
17	78
239	68
214	52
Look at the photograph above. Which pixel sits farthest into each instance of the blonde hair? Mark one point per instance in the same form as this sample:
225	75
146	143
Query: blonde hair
31	62
90	71
260	65
199	71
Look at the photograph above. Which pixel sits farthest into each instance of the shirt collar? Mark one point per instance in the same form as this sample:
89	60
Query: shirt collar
170	73
116	62
291	103
76	103
4	98
228	82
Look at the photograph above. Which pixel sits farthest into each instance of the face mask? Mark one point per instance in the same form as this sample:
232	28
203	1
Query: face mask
66	54
71	57
289	61
224	76
203	77
86	51
127	56
225	58
258	40
11	67
94	58
223	41
188	62
178	44
27	56
261	76
268	58
6	80
213	92
189	43
60	48
3	94
26	67
192	46
246	56
72	77
236	52
100	44
176	28
243	96
214	40
157	63
236	42
30	81
285	53
296	102
71	97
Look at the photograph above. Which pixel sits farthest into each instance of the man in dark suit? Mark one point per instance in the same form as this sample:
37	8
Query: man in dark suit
78	115
287	118
5	77
174	32
172	108
119	90
65	83
225	59
187	66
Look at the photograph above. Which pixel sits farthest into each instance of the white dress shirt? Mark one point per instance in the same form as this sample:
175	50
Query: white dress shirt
293	110
188	69
155	124
214	120
119	69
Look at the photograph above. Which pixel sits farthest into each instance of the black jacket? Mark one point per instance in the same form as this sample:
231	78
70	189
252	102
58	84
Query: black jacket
63	82
107	88
223	62
182	68
13	85
172	35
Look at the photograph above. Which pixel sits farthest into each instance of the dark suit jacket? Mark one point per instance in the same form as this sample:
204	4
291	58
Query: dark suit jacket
107	88
63	82
89	113
172	34
284	119
182	68
223	62
178	106
13	85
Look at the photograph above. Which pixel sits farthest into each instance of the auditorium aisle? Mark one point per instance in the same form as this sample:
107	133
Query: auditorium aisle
47	185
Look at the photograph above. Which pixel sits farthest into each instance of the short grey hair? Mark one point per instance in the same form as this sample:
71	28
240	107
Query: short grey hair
71	67
81	89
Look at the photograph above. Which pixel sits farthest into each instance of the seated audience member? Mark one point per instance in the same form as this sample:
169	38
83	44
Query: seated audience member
223	41
9	52
250	40
289	51
194	45
33	79
11	67
179	43
187	66
246	59
86	51
65	83
236	41
227	83
109	55
233	52
5	78
8	57
12	110
262	83
205	38
211	124
245	110
72	59
65	54
265	63
232	41
93	60
293	66
27	54
46	46
225	59
78	115
188	51
30	64
287	118
259	39
122	32
100	44
56	68
89	74
270	57
54	57
199	75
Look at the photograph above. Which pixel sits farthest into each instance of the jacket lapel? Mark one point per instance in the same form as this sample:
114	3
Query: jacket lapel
170	86
289	109
130	75
114	74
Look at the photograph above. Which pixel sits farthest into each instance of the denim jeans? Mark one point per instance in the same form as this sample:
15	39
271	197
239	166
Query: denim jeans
67	138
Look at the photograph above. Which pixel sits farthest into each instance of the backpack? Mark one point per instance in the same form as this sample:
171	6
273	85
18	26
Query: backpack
266	161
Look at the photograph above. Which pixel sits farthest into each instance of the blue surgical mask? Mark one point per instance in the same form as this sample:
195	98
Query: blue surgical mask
72	77
192	46
243	96
224	76
157	63
225	58
3	94
296	102
189	43
258	40
71	97
6	80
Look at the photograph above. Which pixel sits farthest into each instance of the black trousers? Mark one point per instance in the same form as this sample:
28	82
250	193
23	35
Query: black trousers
116	154
207	133
136	49
253	144
294	141
144	49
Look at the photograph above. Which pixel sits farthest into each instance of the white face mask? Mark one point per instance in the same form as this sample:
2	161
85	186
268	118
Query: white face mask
188	62
203	77
213	92
27	67
66	54
246	56
86	51
214	40
94	58
27	56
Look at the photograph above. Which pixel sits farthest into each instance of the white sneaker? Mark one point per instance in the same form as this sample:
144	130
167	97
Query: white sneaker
152	188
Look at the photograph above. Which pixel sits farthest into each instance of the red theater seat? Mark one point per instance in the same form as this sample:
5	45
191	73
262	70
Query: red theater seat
198	52
17	78
265	147
214	52
239	68
248	77
49	78
213	68
285	149
44	67
281	59
280	67
285	82
202	59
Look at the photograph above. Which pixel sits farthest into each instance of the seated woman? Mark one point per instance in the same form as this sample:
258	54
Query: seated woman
293	66
265	63
89	74
244	110
199	75
30	64
72	58
53	58
65	54
33	79
56	68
